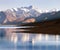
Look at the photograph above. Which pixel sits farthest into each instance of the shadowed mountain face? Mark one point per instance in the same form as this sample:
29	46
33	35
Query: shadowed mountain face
2	17
48	16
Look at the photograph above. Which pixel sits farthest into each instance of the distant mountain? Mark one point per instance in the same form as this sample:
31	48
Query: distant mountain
25	14
48	16
20	14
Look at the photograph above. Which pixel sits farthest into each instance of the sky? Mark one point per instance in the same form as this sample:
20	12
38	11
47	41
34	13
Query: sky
40	4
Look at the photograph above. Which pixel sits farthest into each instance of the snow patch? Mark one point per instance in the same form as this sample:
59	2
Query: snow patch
26	10
16	9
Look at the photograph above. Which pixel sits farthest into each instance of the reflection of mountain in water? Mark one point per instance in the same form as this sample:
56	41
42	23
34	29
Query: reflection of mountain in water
2	33
24	37
34	39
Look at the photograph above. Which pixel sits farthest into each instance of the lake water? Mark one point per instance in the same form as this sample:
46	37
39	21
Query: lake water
6	44
26	41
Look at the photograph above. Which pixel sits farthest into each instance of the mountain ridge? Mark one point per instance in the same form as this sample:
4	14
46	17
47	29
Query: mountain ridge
25	14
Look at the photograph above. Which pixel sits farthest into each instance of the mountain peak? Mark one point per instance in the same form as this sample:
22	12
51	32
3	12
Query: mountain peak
30	6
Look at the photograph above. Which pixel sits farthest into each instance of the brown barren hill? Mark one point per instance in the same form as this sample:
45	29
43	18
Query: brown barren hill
45	27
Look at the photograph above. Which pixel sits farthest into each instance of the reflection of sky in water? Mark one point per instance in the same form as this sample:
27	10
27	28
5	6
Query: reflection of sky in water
40	44
13	26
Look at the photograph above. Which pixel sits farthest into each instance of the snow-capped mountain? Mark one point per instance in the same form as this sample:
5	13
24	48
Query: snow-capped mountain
20	14
24	15
25	10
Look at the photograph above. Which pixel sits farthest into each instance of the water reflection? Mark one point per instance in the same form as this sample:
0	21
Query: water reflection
24	41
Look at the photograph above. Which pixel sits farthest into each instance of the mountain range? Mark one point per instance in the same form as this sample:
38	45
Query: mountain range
25	15
15	15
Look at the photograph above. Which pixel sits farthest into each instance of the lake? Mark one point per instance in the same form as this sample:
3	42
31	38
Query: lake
43	44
